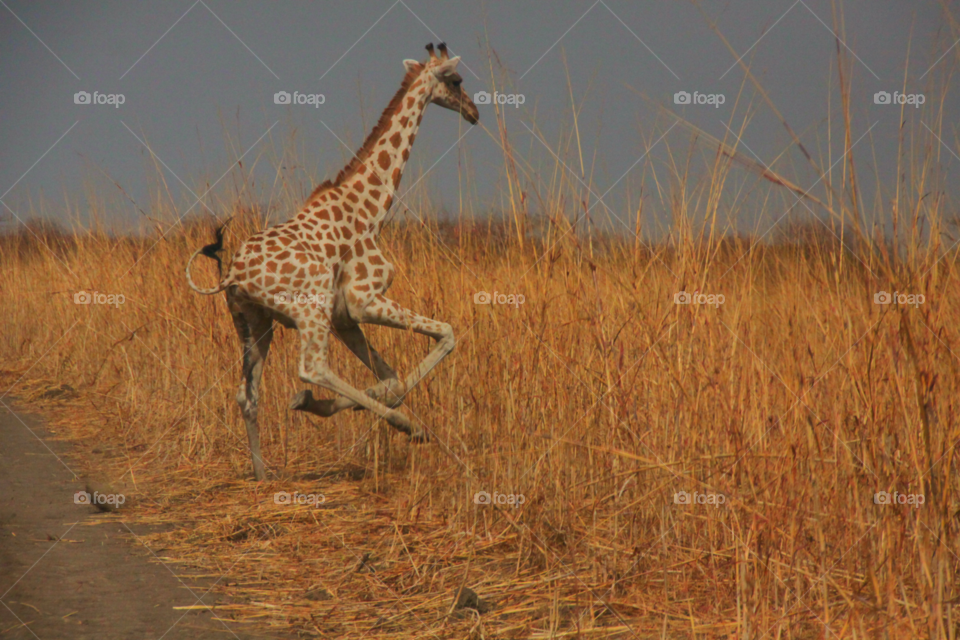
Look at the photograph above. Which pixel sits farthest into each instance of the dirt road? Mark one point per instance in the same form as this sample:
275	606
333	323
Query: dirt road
60	577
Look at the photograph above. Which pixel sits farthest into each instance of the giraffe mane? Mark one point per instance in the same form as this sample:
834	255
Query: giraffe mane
363	154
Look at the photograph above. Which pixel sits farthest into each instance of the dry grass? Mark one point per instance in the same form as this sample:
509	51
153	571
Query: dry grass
597	399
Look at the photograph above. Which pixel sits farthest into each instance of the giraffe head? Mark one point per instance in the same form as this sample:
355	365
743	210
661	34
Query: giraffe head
441	79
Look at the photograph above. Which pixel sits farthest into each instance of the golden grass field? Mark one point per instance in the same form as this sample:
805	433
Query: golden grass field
598	399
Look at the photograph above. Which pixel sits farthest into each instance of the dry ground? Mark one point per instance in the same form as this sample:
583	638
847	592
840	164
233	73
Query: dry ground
68	572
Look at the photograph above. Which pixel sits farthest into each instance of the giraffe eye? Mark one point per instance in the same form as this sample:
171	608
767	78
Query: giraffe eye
457	83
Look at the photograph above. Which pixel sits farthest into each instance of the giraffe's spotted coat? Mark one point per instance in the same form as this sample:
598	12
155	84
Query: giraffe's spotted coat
329	251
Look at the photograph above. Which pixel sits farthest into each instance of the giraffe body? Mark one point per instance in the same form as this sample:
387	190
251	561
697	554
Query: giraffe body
322	272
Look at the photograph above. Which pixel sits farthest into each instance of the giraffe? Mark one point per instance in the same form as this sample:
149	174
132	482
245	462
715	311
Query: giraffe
322	273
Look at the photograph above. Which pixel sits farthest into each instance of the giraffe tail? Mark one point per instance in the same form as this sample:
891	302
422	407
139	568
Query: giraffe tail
210	251
207	292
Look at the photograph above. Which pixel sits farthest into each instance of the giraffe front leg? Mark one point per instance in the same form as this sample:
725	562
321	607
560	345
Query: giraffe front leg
304	401
385	312
315	369
388	390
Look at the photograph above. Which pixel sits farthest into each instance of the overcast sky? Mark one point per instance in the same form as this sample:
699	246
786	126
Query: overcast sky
198	79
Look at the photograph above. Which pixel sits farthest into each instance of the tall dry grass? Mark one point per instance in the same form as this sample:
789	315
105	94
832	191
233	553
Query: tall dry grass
598	399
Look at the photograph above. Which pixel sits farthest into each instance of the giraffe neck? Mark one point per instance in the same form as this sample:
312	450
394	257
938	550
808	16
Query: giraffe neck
391	150
364	189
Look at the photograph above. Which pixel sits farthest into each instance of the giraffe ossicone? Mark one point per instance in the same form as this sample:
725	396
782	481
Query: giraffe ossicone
322	273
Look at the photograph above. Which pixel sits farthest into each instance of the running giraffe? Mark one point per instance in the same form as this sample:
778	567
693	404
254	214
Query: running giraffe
322	272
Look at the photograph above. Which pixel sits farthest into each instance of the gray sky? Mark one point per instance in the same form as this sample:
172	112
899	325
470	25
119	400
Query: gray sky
198	79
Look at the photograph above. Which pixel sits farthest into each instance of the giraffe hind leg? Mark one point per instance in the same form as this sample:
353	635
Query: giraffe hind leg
255	330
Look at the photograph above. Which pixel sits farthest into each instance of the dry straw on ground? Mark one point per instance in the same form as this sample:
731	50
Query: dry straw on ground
597	400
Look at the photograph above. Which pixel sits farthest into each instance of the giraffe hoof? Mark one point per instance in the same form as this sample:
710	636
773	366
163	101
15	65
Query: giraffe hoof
302	400
401	423
419	437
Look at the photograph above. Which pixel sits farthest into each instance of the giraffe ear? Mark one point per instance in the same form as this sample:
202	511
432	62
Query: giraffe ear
412	66
447	67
